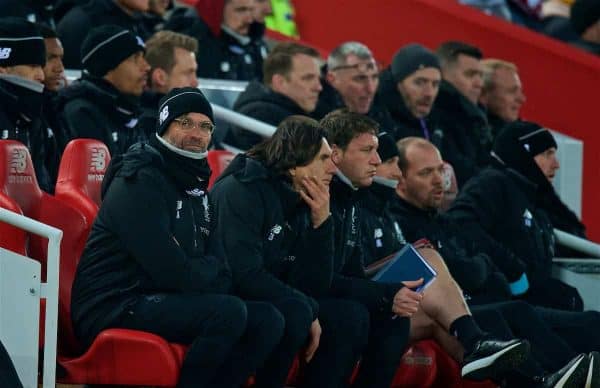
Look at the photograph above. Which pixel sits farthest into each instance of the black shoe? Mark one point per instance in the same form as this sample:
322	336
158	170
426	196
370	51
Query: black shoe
593	372
490	359
571	375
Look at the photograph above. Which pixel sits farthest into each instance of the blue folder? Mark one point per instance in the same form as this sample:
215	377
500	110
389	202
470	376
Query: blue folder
407	264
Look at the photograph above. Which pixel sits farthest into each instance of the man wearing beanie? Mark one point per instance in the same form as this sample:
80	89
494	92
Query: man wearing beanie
22	58
150	263
507	202
349	81
467	135
408	89
80	20
474	261
104	103
585	20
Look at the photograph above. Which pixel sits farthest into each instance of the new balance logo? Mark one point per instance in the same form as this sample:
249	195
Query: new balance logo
98	162
5	52
164	114
18	162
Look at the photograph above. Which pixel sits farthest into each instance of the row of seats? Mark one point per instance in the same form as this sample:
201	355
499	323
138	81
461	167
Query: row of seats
120	356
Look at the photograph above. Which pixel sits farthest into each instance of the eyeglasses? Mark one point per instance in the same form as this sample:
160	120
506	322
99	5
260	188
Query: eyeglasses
188	124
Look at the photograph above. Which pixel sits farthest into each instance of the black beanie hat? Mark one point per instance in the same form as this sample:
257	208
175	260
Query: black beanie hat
105	47
584	13
178	102
411	58
518	143
21	43
387	146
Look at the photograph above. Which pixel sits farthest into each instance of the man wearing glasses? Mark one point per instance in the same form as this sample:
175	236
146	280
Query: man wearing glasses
150	263
350	81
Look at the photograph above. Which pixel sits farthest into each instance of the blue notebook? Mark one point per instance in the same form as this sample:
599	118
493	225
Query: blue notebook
407	264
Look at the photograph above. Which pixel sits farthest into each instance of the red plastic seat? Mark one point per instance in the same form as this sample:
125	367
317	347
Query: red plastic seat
117	357
11	238
218	160
82	168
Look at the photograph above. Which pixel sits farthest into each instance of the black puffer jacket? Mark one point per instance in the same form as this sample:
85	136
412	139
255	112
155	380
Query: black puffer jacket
349	280
222	55
381	234
93	108
261	103
467	139
20	119
150	236
267	234
472	260
77	23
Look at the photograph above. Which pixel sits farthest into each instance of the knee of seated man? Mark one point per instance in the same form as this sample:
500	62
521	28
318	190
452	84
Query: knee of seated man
434	259
267	320
231	316
298	317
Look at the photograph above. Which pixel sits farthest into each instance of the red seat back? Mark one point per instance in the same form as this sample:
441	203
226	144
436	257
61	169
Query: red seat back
20	184
11	238
80	175
218	160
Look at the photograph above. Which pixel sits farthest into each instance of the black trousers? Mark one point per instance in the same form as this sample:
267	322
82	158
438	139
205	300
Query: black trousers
388	340
345	326
229	338
578	329
8	374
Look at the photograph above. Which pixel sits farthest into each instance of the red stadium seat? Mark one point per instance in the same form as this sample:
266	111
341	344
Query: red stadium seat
80	175
418	367
11	238
117	357
218	160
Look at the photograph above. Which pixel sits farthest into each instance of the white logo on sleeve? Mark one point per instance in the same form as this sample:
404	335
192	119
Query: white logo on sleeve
164	114
5	52
527	218
140	41
275	230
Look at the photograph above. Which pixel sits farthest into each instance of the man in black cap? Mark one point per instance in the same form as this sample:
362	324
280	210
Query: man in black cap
79	21
514	199
22	58
474	262
467	135
150	262
408	89
585	20
104	103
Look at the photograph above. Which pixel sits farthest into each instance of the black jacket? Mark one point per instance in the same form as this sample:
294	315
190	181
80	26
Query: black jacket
150	236
77	23
467	137
349	280
330	100
93	108
405	123
502	203
29	129
261	103
267	235
381	234
37	11
223	56
472	259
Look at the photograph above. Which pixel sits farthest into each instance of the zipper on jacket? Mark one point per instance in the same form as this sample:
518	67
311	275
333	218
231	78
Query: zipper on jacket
195	227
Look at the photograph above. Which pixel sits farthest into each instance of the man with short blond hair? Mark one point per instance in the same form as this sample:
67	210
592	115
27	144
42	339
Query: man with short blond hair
291	87
502	94
172	60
